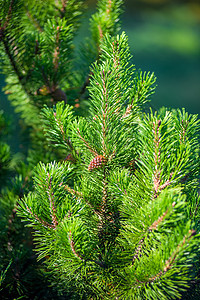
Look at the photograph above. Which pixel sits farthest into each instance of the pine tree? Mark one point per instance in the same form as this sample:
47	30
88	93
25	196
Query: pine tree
39	60
119	218
41	66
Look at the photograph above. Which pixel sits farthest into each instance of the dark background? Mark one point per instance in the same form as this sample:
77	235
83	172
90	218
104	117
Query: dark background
164	38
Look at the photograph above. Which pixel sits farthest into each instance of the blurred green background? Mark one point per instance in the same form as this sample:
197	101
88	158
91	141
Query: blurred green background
164	38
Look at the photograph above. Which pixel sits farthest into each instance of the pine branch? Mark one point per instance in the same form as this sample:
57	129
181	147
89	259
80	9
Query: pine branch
103	220
156	223
184	126
84	86
3	34
86	143
3	38
73	192
12	60
72	245
138	250
8	18
56	51
112	11
79	195
44	223
152	227
166	183
157	160
104	113
10	221
172	259
126	234
63	9
33	20
52	204
68	142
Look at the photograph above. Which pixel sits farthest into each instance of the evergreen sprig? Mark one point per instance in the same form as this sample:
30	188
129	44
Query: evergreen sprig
119	217
106	19
38	57
40	64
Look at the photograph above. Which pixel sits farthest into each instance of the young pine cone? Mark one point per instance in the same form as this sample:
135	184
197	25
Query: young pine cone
97	162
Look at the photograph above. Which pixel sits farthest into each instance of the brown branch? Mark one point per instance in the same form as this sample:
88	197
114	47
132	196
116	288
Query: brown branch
72	244
64	4
80	195
115	51
167	183
9	232
169	263
184	128
86	143
84	86
128	111
21	78
155	224
68	142
105	195
53	89
138	250
152	227
72	191
109	6
105	94
156	181
87	82
7	18
44	223
57	93
11	58
63	8
6	46
70	158
105	218
196	210
57	50
34	21
100	34
52	204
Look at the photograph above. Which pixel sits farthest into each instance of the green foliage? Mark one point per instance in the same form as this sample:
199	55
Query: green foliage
4	157
39	60
114	205
118	218
40	64
38	54
105	20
